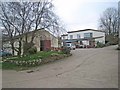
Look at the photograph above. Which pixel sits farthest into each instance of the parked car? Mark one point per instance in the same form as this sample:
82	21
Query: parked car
5	53
71	46
80	46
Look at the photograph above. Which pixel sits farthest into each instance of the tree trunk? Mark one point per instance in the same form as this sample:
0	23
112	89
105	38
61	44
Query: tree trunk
20	48
26	47
118	38
12	47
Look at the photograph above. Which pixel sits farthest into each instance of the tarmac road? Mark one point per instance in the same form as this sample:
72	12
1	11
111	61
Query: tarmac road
86	68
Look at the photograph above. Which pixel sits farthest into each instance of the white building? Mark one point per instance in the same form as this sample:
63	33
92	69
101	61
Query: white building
88	37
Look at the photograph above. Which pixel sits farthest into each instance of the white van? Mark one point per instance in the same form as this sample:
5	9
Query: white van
71	46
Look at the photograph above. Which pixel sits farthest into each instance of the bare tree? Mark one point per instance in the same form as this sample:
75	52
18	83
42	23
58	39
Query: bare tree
119	22
13	20
6	20
23	23
22	17
109	21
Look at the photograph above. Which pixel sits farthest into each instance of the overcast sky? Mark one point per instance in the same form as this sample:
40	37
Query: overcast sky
82	14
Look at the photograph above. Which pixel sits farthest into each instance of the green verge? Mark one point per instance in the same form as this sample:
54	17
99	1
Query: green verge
40	55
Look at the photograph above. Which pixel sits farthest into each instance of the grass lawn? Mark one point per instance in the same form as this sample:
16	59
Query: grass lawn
40	55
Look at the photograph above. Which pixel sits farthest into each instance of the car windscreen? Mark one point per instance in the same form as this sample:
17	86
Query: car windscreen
67	44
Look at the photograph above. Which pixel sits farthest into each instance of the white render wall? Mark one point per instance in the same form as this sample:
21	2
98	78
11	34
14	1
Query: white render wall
85	42
99	34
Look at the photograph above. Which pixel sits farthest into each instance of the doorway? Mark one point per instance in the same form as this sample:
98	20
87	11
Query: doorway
41	45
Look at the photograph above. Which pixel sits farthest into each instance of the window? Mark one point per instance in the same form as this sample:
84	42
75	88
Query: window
87	35
71	36
78	36
63	37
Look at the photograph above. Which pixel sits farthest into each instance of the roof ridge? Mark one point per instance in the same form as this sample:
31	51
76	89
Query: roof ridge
85	30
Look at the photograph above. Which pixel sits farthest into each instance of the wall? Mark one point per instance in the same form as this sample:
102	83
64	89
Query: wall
7	47
99	34
54	42
85	42
45	36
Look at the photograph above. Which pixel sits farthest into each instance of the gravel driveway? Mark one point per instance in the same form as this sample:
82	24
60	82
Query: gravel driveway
86	68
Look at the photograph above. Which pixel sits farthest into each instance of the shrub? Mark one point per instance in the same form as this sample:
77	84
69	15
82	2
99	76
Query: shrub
66	50
54	54
100	45
118	48
107	44
32	50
